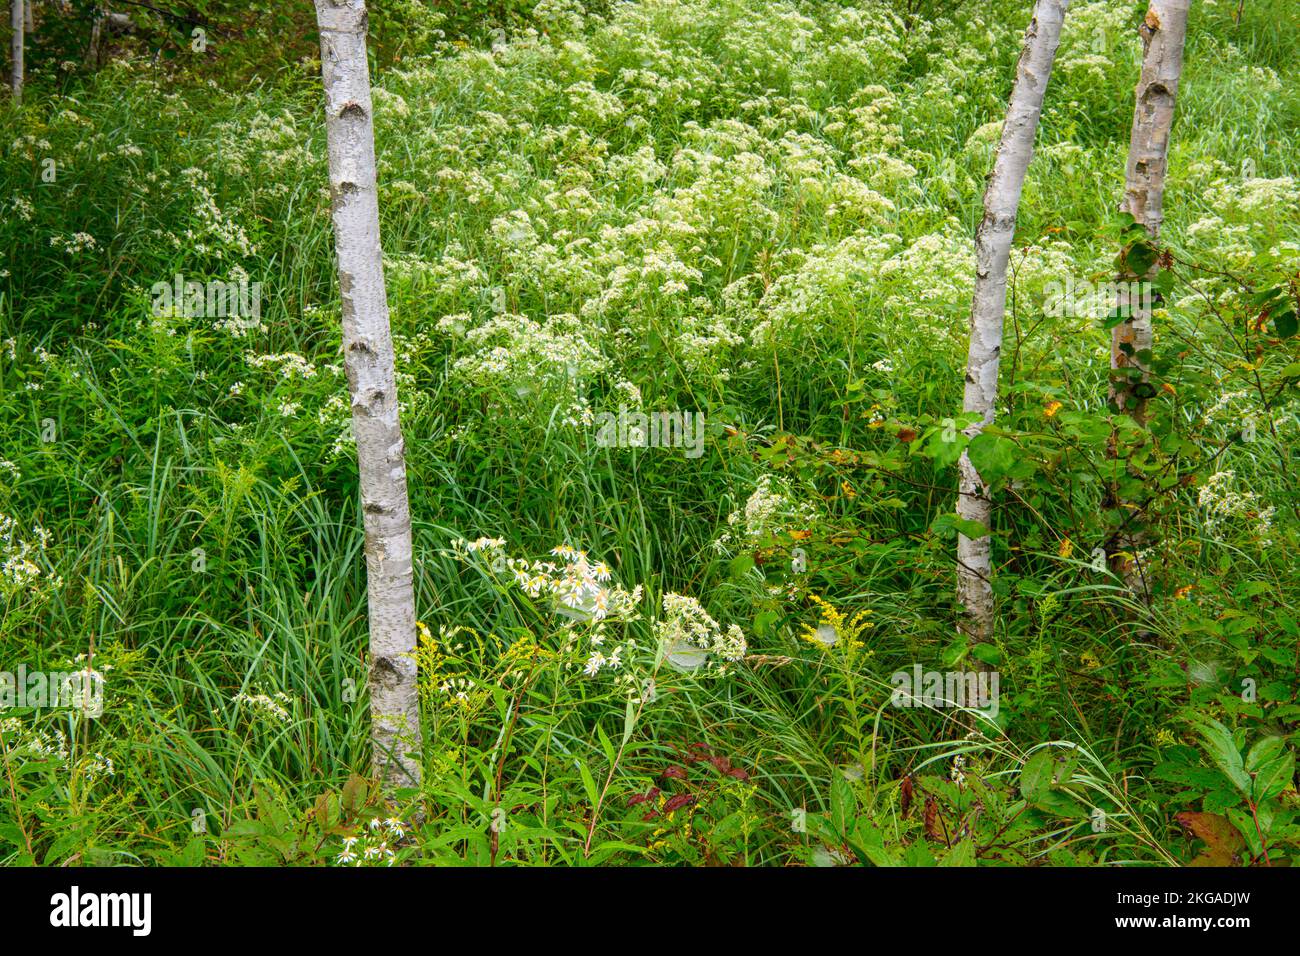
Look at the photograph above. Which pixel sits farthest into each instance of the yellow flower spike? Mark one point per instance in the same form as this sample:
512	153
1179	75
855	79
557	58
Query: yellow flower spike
844	631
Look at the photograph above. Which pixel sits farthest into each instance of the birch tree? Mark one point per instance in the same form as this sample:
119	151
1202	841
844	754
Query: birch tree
992	253
1163	31
368	360
17	21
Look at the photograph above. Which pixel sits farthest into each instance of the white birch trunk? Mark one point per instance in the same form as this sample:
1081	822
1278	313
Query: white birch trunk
992	253
96	29
1163	31
17	21
368	357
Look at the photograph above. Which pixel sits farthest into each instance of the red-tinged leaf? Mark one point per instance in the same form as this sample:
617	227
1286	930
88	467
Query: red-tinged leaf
1223	842
679	801
933	829
696	752
906	791
737	773
676	773
643	797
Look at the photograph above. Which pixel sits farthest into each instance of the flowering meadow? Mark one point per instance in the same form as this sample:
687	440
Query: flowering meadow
680	293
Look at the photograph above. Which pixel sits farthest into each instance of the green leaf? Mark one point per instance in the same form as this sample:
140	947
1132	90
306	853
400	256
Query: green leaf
1274	776
354	794
1139	257
963	854
1285	324
1222	749
605	745
844	804
741	565
629	722
588	784
992	455
1037	774
949	525
1265	751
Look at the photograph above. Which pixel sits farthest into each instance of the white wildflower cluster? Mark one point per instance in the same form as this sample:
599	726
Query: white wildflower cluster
215	232
690	638
265	150
20	571
289	365
583	591
583	588
23	741
96	767
1222	502
373	846
615	233
924	280
75	244
1236	410
815	287
30	145
238	326
528	360
389	105
1094	37
22	208
457	688
770	510
1239	217
267	706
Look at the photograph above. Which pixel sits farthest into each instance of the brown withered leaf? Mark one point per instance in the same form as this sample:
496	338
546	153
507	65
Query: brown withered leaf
906	792
933	829
1223	842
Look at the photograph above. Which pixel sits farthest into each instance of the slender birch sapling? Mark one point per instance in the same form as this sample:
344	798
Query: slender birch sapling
1163	31
992	254
368	361
18	23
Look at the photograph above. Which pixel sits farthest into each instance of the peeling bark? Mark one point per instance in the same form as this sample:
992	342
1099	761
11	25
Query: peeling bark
369	363
992	253
1163	31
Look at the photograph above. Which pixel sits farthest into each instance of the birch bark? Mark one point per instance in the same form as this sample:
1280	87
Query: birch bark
369	363
17	21
992	252
1164	32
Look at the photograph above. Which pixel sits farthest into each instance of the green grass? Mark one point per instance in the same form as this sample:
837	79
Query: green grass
715	193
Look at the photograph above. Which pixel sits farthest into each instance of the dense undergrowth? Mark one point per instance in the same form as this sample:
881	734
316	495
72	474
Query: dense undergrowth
761	212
